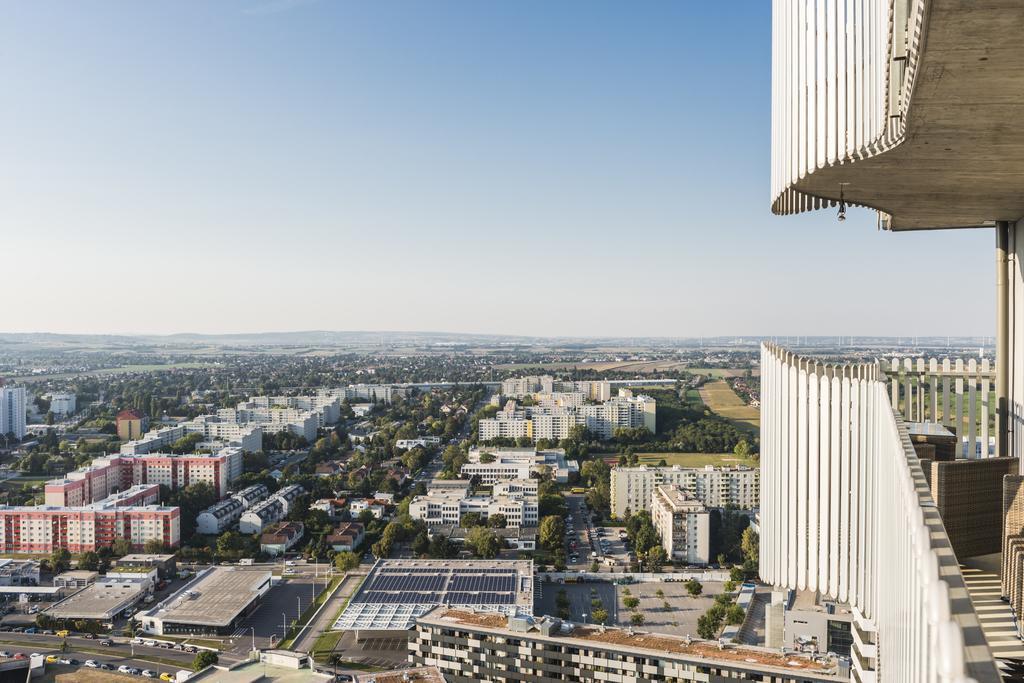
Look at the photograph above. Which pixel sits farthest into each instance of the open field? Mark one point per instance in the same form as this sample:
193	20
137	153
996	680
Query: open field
28	379
639	367
721	373
721	399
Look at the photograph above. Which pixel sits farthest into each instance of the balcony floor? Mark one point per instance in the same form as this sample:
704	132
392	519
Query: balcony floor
981	574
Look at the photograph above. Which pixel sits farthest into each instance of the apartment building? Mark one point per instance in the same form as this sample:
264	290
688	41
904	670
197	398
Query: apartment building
216	433
115	472
274	419
326	408
520	387
12	411
281	537
371	393
131	424
62	404
251	495
261	515
470	646
633	487
554	416
683	524
497	464
131	514
443	508
219	517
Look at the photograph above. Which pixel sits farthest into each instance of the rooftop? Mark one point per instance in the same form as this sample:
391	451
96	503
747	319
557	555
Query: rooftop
100	600
655	643
214	598
396	592
145	558
420	674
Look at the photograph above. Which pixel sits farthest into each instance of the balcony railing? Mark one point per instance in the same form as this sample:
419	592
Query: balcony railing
846	511
952	393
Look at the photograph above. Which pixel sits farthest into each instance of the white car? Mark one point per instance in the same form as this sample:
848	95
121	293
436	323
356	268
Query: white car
92	664
146	673
149	643
124	669
136	641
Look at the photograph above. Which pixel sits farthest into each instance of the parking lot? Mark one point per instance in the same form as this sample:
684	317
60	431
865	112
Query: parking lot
583	538
385	653
280	606
580	599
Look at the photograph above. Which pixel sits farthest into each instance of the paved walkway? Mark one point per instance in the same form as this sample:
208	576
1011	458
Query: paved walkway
324	619
981	574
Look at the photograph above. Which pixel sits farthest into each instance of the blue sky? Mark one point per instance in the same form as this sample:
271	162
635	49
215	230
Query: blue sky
548	168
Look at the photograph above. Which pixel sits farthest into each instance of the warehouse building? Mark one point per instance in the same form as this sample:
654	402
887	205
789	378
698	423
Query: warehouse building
214	604
104	600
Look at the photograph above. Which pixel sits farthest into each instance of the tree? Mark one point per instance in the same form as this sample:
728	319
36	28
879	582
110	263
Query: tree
707	627
484	542
153	546
637	619
89	561
204	659
734	615
694	588
440	547
750	544
421	544
471	519
346	561
551	532
742	450
646	538
631	602
600	615
60	560
121	547
656	557
497	521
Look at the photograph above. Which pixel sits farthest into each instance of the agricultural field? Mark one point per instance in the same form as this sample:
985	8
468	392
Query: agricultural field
720	398
723	373
639	367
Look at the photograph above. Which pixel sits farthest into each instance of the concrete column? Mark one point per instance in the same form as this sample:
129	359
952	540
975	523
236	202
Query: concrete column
1002	339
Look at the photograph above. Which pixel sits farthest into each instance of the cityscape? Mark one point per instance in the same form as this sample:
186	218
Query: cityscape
478	405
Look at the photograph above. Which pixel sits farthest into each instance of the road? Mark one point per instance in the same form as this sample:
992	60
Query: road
122	652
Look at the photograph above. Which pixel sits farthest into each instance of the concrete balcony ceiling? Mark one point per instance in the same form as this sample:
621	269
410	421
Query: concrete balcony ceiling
956	158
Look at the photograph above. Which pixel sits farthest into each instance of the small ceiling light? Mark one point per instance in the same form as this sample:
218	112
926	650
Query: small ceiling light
841	216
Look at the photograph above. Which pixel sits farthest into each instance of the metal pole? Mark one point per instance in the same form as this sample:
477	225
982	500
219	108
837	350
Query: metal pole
1002	339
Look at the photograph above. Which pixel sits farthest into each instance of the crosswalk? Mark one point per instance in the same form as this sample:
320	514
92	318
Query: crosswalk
981	574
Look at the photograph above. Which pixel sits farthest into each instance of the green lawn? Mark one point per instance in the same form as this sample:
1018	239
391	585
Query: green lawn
326	643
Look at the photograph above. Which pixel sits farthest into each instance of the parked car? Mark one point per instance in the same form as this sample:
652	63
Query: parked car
51	659
92	664
166	677
5	654
90	636
107	642
146	673
31	630
105	666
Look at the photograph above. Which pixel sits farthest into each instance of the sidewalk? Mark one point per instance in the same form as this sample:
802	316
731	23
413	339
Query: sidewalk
324	619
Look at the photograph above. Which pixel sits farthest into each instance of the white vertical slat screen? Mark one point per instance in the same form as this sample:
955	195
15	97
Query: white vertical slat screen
845	510
833	67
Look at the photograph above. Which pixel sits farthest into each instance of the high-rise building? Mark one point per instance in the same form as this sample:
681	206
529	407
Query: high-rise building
62	404
12	411
633	487
683	524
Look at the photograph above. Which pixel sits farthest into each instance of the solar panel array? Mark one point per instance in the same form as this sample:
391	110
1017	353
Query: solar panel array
440	586
457	598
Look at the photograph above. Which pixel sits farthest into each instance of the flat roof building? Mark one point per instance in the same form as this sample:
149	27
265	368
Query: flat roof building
683	524
103	600
632	488
469	647
212	604
397	592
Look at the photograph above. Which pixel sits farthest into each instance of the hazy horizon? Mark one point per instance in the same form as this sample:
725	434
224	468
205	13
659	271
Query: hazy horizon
532	169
